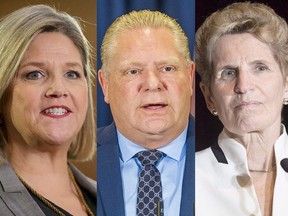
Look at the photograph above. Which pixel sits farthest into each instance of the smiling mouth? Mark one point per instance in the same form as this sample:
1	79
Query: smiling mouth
56	111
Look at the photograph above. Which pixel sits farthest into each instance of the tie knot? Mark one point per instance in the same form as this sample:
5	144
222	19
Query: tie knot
149	157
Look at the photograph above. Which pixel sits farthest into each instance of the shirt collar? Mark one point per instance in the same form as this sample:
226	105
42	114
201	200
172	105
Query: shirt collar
175	149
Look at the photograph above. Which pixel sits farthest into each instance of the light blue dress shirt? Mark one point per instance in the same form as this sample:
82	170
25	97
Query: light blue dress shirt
171	168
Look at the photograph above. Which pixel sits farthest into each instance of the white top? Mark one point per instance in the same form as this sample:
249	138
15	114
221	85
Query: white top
226	189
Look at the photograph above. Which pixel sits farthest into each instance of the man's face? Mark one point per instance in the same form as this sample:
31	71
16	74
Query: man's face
149	86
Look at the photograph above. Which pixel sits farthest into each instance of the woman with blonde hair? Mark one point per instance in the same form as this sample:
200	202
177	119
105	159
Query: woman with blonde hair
46	114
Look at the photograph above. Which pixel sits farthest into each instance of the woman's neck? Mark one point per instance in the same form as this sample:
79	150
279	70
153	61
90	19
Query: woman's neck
26	160
259	146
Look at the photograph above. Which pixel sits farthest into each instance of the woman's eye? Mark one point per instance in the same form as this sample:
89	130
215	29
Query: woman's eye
261	68
228	73
72	75
34	75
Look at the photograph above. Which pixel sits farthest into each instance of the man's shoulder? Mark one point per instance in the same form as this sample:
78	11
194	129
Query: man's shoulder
102	131
191	123
107	134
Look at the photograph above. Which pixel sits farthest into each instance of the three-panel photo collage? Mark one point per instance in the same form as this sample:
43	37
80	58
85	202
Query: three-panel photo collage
143	108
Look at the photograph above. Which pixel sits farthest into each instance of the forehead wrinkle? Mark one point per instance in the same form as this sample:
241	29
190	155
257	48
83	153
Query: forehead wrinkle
43	64
169	60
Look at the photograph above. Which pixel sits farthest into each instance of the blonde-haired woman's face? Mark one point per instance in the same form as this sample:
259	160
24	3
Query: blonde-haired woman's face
49	95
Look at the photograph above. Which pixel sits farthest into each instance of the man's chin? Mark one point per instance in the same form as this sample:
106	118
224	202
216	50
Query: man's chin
156	127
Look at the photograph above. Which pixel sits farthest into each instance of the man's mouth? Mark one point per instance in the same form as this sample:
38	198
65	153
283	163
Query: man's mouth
154	106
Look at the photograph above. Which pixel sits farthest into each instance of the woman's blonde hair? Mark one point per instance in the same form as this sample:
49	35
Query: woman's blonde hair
141	19
256	19
17	30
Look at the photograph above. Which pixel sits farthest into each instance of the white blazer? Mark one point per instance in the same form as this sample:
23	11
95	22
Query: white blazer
223	184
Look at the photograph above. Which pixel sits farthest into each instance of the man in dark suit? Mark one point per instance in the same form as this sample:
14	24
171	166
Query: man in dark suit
146	78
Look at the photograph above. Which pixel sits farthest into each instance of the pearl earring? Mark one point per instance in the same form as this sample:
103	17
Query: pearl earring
214	112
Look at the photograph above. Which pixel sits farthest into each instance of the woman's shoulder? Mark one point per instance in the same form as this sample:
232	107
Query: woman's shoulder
205	158
204	154
83	180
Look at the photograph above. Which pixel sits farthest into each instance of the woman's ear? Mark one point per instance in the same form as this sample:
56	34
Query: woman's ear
207	95
286	88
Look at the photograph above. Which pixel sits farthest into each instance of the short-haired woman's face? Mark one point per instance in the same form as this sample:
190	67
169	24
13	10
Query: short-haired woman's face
48	98
248	87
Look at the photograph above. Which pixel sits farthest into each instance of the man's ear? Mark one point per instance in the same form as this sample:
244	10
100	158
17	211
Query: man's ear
207	95
104	83
191	75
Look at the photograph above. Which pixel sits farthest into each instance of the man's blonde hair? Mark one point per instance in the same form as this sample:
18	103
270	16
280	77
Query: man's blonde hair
136	20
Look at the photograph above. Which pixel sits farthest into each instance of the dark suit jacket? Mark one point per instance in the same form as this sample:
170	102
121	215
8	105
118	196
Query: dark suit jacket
110	200
15	198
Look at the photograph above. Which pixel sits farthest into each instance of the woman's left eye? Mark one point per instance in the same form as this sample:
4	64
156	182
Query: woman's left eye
72	75
261	68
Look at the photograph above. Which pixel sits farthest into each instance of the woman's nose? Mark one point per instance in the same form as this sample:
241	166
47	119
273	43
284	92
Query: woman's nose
56	87
244	82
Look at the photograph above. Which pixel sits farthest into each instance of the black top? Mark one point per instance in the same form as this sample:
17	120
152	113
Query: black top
90	200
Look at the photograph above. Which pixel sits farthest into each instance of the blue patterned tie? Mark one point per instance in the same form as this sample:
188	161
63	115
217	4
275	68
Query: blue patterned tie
149	197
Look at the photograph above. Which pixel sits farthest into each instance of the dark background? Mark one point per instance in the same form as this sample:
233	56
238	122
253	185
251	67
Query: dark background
208	126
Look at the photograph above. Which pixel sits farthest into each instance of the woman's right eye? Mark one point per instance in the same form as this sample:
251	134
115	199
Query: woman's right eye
34	75
228	73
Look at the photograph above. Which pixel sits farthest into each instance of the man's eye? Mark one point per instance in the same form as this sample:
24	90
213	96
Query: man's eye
34	75
168	69
133	72
72	75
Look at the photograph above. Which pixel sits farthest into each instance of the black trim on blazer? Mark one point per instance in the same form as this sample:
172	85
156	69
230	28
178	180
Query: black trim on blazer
219	154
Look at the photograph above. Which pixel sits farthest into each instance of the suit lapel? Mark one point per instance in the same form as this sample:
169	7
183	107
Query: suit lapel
110	191
188	191
15	195
109	181
84	181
